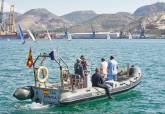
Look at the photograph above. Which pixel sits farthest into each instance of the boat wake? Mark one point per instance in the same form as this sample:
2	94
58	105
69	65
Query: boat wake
36	106
33	106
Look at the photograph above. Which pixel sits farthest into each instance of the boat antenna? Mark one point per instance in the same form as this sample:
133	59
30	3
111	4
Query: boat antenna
93	31
1	13
142	31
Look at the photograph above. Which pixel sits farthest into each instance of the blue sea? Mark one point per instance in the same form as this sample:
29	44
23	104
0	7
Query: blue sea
146	98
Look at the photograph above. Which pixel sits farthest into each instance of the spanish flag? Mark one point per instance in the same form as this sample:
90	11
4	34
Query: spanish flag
30	59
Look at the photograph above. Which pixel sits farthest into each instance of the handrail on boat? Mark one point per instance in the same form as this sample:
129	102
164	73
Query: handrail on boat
45	55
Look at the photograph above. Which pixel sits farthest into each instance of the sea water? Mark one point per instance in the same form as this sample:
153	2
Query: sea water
146	98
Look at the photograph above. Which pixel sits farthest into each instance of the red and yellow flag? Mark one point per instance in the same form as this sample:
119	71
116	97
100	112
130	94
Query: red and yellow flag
30	59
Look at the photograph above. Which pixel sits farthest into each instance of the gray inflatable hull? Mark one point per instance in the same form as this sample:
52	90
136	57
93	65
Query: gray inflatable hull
54	95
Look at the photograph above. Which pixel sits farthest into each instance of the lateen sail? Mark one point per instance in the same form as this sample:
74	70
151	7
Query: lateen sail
21	34
31	35
49	35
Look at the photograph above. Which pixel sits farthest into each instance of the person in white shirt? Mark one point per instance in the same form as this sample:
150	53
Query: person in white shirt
112	69
103	68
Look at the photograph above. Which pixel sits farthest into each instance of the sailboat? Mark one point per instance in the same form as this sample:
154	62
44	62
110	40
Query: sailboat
31	35
69	37
49	35
108	36
130	36
21	34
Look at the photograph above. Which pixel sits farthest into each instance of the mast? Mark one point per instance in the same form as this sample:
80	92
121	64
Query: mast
66	32
142	31
93	32
1	17
1	13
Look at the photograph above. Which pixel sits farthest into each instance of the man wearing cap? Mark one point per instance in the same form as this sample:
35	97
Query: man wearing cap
78	68
83	62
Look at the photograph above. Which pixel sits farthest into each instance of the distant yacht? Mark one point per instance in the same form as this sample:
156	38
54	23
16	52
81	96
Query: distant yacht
69	37
130	36
108	36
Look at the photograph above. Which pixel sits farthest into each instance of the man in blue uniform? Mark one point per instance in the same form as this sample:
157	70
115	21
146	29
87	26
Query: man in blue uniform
112	69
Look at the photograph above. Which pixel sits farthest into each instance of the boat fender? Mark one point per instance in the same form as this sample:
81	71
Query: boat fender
44	70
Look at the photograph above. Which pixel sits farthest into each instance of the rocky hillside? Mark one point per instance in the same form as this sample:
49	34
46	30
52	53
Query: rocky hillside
148	9
105	22
79	16
40	19
154	23
151	16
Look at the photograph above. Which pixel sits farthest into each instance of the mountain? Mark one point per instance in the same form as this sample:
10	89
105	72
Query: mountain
145	10
151	16
79	16
40	19
105	22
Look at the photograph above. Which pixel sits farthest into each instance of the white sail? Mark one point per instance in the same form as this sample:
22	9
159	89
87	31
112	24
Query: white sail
130	36
108	36
31	35
69	37
49	35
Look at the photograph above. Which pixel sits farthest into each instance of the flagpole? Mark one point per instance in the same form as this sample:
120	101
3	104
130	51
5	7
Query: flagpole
35	81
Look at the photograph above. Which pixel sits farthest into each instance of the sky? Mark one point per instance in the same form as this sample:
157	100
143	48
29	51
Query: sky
61	7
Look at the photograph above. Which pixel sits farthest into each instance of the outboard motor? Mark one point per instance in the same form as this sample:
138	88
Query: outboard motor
24	93
134	71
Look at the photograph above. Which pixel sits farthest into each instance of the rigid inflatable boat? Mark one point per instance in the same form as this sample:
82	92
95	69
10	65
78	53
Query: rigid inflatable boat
68	89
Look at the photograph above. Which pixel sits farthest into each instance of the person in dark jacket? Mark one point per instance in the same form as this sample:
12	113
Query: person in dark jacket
78	68
83	62
97	81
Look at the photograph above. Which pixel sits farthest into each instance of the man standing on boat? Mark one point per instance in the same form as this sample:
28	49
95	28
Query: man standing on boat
103	68
112	69
97	81
85	70
84	62
78	68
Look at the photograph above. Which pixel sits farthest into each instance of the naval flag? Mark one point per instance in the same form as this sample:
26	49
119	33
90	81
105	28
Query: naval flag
53	55
30	59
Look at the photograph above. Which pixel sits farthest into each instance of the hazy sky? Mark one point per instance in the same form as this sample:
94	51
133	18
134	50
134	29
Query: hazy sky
60	7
